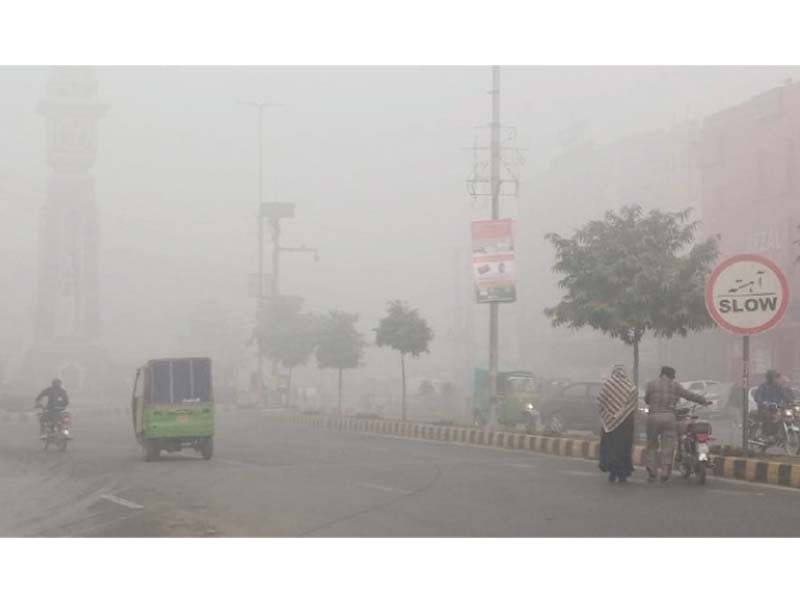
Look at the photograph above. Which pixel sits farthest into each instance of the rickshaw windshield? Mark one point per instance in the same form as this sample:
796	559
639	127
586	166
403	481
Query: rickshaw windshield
522	385
181	381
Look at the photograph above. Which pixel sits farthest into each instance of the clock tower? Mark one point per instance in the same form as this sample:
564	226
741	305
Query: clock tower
67	298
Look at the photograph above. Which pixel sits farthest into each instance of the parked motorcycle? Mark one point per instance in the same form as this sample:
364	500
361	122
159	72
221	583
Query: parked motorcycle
781	429
693	437
57	429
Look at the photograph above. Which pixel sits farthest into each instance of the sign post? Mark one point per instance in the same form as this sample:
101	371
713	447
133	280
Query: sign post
747	294
745	390
493	261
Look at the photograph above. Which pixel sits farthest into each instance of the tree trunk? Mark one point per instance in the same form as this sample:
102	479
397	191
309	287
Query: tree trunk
636	364
340	391
403	372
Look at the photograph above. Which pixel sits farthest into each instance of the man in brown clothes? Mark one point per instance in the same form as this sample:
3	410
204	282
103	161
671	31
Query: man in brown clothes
661	397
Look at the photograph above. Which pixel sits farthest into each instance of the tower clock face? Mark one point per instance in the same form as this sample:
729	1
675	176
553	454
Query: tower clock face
71	135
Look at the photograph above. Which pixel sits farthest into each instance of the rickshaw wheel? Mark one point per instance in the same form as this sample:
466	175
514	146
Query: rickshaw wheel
207	448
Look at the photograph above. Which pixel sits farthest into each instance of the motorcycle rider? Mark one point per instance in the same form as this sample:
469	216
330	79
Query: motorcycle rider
661	397
771	391
57	400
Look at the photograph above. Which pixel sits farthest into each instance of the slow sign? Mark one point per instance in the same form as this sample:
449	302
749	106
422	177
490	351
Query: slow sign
747	294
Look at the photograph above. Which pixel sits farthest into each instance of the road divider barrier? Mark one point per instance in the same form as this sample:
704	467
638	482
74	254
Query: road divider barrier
758	470
578	448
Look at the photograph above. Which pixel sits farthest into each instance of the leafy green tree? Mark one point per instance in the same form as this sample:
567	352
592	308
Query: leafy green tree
339	344
404	330
631	273
286	334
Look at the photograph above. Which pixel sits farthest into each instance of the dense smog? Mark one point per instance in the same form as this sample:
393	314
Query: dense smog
399	301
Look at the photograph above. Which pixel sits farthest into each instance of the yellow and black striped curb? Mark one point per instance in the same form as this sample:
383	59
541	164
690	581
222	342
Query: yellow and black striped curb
745	469
577	448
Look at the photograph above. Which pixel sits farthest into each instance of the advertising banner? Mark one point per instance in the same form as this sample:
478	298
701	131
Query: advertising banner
493	261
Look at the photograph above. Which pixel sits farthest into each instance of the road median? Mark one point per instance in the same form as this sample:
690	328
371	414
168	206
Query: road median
757	470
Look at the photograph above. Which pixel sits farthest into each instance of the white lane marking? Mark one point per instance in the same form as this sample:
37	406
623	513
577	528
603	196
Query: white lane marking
579	473
238	463
385	488
120	501
517	465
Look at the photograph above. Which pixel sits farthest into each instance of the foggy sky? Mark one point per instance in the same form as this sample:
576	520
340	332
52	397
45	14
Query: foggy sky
372	157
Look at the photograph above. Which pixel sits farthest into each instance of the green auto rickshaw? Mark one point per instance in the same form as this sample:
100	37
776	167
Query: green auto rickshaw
173	406
517	400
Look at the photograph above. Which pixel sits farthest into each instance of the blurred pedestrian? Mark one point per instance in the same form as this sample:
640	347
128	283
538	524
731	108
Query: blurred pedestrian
617	405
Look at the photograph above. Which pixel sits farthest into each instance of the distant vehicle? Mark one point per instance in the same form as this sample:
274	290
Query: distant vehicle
173	406
715	391
516	402
574	408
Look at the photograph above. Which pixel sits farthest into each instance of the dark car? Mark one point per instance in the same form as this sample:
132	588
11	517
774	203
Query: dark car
574	408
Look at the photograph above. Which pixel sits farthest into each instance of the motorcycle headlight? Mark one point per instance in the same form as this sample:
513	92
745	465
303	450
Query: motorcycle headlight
788	413
529	406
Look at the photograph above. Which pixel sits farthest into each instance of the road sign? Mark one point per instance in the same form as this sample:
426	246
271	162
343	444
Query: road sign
747	294
493	261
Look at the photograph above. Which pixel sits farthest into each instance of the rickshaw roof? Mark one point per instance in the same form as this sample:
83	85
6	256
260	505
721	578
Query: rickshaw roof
177	358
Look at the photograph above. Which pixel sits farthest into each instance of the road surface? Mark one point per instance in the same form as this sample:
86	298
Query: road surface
269	478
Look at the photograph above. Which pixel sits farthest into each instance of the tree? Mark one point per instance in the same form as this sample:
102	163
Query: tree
339	345
404	330
284	333
631	273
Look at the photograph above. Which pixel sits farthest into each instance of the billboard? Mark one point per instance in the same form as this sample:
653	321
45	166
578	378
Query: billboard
493	261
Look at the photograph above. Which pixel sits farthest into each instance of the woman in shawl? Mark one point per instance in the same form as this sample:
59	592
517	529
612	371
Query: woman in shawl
617	403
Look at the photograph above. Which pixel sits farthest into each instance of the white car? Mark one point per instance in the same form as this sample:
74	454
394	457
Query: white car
715	391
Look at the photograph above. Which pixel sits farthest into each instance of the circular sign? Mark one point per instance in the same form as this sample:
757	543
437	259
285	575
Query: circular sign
747	294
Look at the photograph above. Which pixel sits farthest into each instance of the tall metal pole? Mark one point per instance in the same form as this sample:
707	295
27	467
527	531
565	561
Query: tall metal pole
276	256
495	190
260	106
260	234
260	204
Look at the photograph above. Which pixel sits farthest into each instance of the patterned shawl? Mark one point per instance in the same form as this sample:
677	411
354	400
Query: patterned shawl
617	399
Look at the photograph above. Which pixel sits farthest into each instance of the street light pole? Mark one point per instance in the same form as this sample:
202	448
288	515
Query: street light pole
494	307
260	106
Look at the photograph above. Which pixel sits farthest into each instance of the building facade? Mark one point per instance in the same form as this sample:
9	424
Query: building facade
747	157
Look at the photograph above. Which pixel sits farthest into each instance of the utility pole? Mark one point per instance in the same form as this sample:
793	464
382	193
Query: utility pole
275	211
494	308
502	169
260	106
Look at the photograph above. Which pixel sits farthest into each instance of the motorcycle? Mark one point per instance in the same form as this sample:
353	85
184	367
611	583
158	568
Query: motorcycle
693	438
57	426
531	419
781	430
